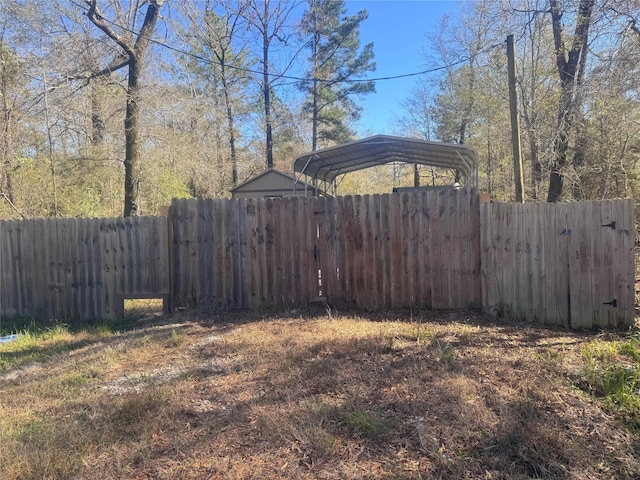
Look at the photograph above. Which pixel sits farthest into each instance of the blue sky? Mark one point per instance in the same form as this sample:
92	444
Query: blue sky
399	31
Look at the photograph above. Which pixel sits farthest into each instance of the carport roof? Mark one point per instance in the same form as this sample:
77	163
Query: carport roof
328	163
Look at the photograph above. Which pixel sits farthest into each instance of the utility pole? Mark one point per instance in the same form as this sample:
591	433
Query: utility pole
515	122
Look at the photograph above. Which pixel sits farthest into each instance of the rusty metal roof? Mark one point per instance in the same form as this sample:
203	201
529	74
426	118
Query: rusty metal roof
327	164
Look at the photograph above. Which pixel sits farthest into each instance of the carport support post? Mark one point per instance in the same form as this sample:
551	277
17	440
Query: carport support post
515	122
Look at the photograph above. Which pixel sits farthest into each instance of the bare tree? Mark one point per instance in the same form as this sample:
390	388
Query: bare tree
133	55
570	61
269	21
218	36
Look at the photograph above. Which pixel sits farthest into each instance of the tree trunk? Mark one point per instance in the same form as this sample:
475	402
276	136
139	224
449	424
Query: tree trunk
267	88
489	166
6	180
267	117
232	135
314	117
217	137
131	174
314	92
536	167
97	123
567	69
6	187
52	165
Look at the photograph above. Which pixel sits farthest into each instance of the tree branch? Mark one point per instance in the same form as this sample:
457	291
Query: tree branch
115	65
633	21
94	15
6	198
147	27
556	22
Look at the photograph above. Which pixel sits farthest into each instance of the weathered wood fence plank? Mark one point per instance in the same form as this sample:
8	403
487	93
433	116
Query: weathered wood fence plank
67	269
366	251
561	264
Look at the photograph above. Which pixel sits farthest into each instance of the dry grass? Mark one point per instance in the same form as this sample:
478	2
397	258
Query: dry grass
313	397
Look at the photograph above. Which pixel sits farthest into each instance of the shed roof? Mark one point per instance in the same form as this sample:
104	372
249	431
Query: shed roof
271	180
328	163
269	171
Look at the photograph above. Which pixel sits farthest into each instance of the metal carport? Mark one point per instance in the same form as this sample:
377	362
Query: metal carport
327	164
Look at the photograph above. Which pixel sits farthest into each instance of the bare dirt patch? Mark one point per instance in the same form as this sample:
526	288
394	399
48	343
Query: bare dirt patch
393	395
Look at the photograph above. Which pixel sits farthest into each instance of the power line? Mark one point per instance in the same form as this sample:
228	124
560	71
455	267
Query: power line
308	79
299	79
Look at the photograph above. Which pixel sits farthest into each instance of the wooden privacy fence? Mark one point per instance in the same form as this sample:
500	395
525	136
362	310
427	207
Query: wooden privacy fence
560	264
378	251
569	264
81	268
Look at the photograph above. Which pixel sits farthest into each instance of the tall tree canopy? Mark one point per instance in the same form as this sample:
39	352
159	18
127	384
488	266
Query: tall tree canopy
578	94
223	65
333	40
230	86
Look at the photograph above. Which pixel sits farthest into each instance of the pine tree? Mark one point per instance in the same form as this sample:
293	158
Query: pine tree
336	60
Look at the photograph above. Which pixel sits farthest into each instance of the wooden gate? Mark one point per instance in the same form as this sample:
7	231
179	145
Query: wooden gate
569	264
417	249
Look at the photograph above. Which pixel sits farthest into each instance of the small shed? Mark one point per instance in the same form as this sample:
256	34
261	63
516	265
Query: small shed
271	183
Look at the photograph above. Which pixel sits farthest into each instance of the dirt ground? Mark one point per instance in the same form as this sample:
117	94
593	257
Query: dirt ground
315	395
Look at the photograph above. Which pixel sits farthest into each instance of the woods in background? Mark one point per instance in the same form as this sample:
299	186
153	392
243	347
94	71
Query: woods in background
114	107
578	87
